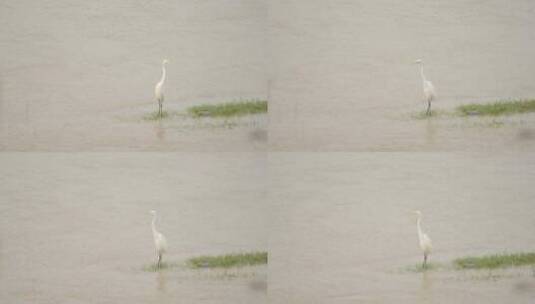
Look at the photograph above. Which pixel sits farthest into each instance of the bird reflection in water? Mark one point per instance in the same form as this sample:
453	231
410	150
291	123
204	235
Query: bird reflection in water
161	282
160	130
425	291
430	132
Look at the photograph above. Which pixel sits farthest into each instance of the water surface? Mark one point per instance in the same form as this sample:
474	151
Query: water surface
343	231
72	71
342	73
76	227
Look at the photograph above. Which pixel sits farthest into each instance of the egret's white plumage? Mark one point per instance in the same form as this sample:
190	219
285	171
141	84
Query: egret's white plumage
160	243
425	242
428	87
158	89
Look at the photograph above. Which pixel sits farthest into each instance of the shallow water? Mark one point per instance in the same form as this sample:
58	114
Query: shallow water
342	73
70	70
76	227
343	231
339	76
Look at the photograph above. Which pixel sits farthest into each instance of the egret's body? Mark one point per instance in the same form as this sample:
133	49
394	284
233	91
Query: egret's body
160	242
428	87
158	89
425	242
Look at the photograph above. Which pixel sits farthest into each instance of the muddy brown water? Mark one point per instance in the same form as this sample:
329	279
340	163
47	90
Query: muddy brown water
78	75
76	227
343	231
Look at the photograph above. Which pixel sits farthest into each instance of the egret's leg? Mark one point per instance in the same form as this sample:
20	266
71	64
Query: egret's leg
428	107
425	261
159	260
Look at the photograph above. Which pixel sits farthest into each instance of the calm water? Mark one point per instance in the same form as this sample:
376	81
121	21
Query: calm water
76	227
342	73
80	75
339	76
344	233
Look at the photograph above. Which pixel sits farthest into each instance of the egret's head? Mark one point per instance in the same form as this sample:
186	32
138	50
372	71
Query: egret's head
152	212
165	61
418	61
418	213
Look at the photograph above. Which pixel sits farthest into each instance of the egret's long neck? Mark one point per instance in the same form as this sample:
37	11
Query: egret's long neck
162	80
419	228
422	72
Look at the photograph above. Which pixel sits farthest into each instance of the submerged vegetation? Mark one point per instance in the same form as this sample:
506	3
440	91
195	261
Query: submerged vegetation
229	260
485	262
432	113
155	115
163	266
498	108
421	268
229	109
495	261
218	261
504	107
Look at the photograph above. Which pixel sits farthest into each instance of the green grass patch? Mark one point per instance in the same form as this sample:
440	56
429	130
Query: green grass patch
229	260
495	261
504	107
229	109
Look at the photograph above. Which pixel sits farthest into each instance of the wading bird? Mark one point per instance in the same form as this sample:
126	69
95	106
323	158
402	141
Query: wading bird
159	240
425	241
429	89
158	89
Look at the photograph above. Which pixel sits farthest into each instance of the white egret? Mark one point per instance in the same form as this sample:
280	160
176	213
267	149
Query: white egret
425	241
429	89
159	240
158	89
